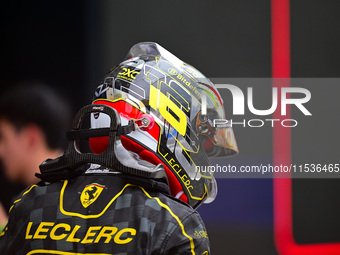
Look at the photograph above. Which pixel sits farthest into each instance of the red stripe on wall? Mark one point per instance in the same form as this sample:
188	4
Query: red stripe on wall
283	222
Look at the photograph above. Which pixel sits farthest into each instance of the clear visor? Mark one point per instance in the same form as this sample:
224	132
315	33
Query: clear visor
219	138
212	193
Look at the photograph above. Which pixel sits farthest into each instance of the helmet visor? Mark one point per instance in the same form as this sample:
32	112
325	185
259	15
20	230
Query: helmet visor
218	136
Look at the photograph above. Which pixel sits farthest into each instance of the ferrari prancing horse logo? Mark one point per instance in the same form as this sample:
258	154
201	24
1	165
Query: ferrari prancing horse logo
90	193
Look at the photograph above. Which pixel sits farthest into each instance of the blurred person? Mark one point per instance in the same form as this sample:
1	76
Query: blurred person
137	192
3	217
33	123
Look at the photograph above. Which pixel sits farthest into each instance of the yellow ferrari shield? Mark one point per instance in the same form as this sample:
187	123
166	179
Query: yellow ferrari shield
90	193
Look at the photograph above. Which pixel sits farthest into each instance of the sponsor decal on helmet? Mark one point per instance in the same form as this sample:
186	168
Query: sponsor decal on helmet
128	74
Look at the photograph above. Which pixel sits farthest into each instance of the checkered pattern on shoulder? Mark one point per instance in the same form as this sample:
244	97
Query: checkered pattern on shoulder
101	213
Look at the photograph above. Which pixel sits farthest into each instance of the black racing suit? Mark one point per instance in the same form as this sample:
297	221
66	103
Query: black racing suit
102	212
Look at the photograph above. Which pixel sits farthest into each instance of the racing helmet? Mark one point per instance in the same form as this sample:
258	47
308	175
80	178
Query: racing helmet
174	107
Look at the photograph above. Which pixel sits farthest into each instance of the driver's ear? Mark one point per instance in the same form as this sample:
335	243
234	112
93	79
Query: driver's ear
33	136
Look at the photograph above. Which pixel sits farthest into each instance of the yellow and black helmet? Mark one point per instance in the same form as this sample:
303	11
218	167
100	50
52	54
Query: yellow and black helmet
175	106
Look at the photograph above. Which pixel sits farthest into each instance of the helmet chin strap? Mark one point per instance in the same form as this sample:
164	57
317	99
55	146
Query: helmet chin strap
115	157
